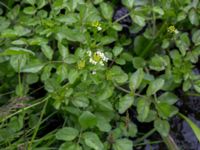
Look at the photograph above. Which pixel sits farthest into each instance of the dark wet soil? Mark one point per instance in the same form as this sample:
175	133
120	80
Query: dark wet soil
180	130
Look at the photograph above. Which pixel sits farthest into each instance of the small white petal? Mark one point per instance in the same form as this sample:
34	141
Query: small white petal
99	28
89	53
101	63
94	72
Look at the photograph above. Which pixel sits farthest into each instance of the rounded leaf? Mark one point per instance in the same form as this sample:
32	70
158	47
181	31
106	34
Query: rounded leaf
67	134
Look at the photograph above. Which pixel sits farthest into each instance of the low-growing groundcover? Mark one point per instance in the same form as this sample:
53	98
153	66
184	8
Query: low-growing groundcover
71	71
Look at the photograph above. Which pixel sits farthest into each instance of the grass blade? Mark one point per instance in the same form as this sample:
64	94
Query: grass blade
194	127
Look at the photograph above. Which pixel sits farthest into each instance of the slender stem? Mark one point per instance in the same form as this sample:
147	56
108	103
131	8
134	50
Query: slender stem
122	89
7	93
148	142
121	18
169	141
127	91
36	90
1	3
38	125
145	136
193	94
26	108
154	20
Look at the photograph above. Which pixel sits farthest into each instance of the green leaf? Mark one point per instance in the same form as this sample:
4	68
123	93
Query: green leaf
73	75
74	35
29	10
155	86
32	2
63	50
157	63
103	124
186	85
92	140
117	74
143	107
62	72
123	144
33	68
18	62
68	19
125	103
58	4
138	19
196	37
19	42
194	127
51	85
136	79
197	86
32	78
67	134
117	26
158	10
88	13
117	50
166	110
80	101
46	72
168	98
16	123
48	52
128	3
193	17
106	10
105	40
105	93
181	16
41	3
17	51
162	126
184	43
72	4
138	62
151	116
70	146
87	119
132	129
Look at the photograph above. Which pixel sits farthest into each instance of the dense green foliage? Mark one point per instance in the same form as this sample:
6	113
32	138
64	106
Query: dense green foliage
72	60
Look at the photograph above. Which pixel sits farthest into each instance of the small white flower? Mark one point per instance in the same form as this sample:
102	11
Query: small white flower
92	61
99	28
176	31
94	72
97	58
89	53
101	63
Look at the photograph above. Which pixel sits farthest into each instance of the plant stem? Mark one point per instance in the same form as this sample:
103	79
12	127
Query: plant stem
145	136
38	125
122	89
1	3
26	108
148	142
193	94
121	18
169	141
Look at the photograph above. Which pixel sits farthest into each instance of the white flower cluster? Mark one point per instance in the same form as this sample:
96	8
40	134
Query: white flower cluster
97	58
